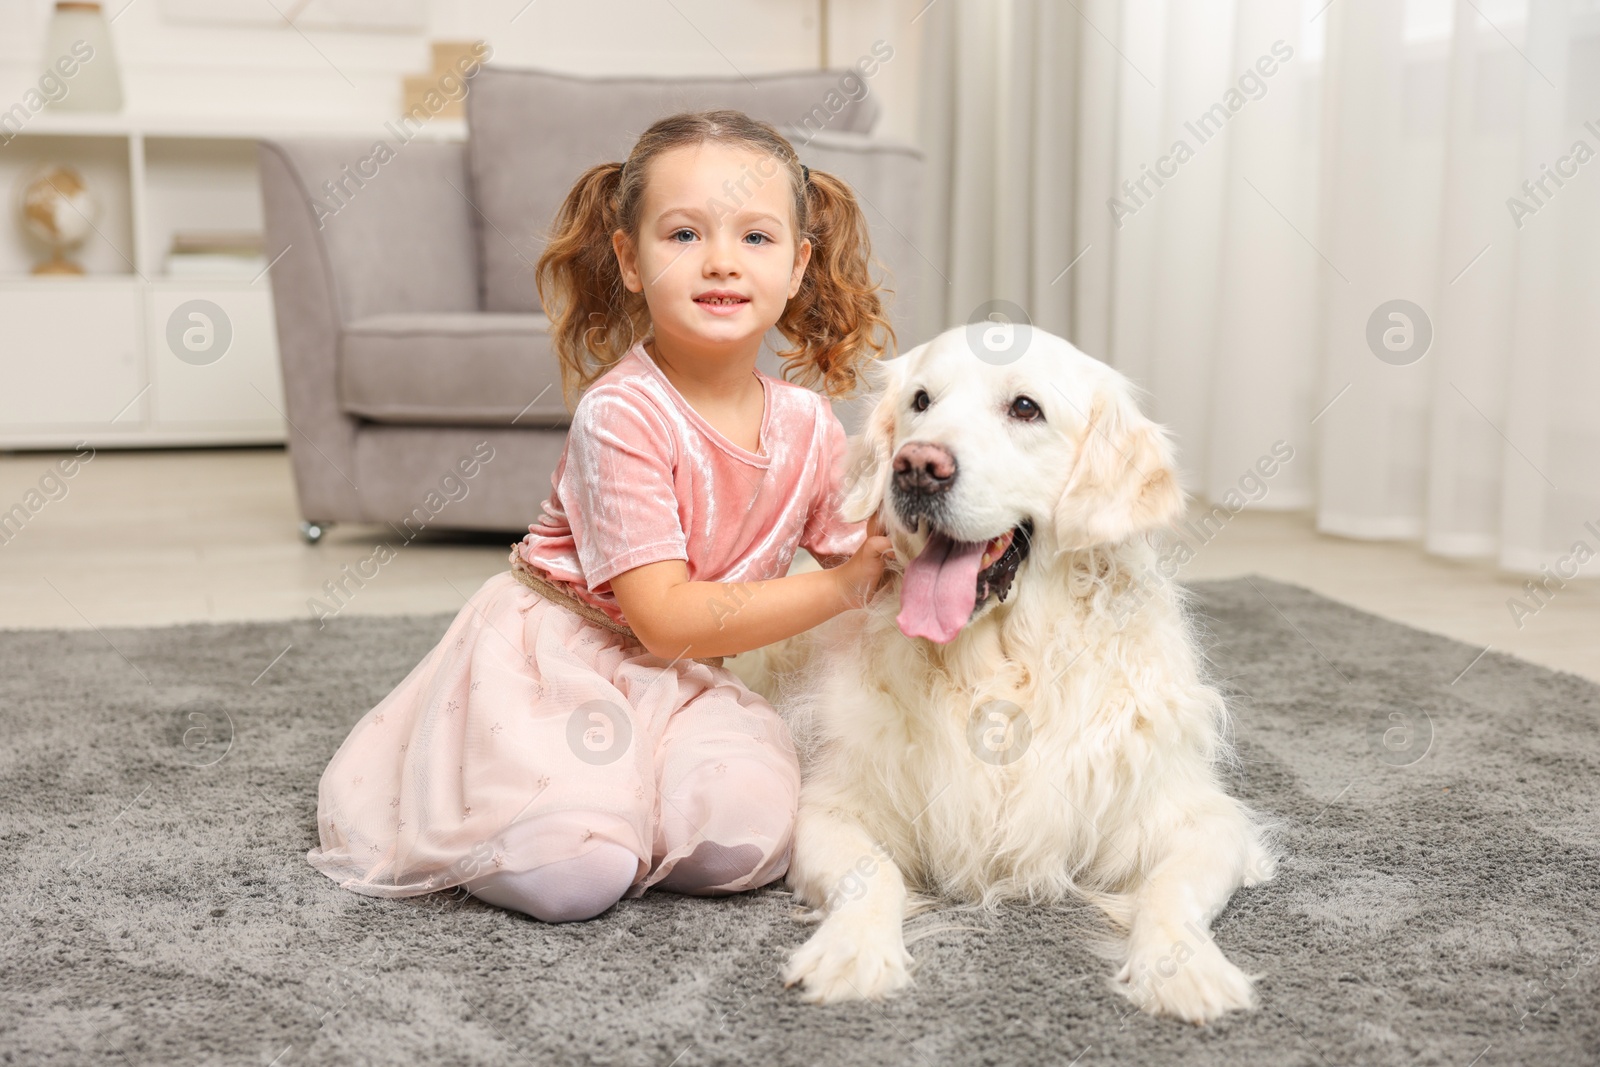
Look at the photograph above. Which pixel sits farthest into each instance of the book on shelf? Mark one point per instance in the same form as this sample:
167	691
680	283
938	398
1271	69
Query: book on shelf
215	254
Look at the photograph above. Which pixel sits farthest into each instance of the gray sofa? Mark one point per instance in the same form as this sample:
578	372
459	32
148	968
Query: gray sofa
409	327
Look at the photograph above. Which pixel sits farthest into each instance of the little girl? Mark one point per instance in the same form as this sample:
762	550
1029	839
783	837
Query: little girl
574	737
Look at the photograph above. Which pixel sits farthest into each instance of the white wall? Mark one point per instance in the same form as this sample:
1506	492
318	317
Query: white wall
170	68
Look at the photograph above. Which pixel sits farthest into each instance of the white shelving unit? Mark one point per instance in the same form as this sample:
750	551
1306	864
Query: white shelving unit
87	358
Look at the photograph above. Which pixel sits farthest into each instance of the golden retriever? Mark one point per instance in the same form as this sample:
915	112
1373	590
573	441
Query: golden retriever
1021	712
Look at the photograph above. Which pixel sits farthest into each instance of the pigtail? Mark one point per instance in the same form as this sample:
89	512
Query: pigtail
836	320
594	319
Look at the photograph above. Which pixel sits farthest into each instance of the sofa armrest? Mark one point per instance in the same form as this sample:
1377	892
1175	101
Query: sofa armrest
344	246
392	237
887	179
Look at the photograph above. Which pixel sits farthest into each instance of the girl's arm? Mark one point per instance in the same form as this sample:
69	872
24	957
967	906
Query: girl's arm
676	618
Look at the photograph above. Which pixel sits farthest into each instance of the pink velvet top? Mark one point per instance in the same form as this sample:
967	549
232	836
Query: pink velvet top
644	477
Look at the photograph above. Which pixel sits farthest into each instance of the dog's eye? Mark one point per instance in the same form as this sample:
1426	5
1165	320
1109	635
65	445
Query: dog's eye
1025	409
921	401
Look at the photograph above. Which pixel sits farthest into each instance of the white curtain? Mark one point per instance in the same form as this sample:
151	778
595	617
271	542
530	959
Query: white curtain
1307	223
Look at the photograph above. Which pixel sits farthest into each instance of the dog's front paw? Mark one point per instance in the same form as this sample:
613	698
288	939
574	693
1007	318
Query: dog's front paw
1260	865
850	961
1192	981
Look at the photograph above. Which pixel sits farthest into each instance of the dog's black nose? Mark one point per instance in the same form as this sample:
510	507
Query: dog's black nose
920	467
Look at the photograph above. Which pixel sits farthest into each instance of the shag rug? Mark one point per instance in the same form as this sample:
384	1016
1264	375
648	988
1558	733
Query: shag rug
1437	903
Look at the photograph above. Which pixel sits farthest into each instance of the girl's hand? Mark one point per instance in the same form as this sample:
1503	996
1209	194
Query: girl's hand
864	573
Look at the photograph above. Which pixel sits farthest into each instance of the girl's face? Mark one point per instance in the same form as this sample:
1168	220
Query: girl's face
716	257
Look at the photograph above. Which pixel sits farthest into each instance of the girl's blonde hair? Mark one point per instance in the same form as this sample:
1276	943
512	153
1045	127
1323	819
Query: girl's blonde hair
836	321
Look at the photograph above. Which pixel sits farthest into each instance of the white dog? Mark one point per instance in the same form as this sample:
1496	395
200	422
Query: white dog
1020	713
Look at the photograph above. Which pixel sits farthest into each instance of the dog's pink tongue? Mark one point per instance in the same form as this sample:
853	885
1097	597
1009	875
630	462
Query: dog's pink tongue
940	588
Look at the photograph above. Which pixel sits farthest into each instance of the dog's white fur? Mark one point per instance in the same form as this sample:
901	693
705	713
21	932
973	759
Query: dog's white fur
912	771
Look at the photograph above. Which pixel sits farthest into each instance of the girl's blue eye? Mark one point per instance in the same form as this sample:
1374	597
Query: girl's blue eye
760	237
677	233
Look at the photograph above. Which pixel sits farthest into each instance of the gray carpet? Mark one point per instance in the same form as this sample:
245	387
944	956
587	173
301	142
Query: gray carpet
1437	904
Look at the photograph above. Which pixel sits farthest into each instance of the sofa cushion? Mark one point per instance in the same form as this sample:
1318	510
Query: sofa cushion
531	133
451	368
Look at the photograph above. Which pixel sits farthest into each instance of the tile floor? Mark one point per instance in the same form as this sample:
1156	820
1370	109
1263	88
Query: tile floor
155	537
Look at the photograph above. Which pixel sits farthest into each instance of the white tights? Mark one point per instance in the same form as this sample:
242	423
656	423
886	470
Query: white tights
565	891
584	886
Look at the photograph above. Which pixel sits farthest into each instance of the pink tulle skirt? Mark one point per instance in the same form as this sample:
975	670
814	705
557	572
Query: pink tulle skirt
528	735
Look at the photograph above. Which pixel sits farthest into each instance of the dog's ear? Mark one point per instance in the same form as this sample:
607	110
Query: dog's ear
1124	479
866	477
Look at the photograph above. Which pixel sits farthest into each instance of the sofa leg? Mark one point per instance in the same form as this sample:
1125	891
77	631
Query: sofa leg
312	532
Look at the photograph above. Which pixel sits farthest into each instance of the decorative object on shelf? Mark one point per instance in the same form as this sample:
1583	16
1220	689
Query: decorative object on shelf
55	207
78	31
454	63
215	254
